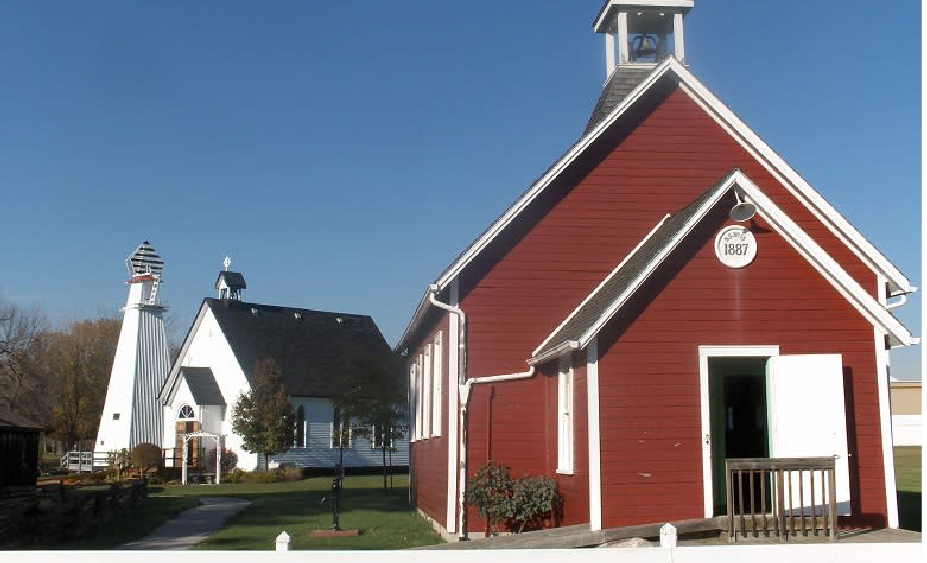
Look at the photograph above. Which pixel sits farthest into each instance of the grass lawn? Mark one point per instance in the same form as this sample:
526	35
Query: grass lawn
385	521
142	521
908	478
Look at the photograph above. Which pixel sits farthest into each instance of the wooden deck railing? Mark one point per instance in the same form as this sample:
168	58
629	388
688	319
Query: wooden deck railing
784	497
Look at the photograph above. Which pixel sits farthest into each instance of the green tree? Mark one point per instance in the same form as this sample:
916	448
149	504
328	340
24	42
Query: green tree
264	417
375	400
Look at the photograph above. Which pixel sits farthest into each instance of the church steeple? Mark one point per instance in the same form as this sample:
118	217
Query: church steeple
640	30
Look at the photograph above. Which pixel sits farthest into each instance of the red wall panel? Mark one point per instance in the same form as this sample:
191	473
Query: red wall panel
649	370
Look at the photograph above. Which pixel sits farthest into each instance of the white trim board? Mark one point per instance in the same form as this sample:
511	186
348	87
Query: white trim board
768	158
854	293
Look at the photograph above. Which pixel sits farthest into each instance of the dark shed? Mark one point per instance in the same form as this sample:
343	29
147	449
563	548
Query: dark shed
19	449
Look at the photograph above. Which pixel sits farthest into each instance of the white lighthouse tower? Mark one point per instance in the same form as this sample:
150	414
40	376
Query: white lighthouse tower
131	414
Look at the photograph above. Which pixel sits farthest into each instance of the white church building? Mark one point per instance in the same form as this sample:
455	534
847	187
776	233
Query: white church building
150	400
315	350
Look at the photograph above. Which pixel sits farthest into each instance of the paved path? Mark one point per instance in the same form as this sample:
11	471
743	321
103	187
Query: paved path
192	526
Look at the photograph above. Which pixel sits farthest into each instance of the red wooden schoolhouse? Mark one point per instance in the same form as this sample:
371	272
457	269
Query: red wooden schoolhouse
668	295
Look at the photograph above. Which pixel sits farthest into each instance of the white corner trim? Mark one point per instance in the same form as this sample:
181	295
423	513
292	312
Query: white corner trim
453	389
704	353
885	425
593	435
598	287
797	185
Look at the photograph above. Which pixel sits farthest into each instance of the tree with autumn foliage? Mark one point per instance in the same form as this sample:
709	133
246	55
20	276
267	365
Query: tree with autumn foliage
264	417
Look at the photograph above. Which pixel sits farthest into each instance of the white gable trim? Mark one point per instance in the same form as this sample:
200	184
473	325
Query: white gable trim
170	384
793	182
785	227
598	287
818	206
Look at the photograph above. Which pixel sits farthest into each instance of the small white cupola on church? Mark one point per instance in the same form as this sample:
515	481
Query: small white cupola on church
642	32
230	283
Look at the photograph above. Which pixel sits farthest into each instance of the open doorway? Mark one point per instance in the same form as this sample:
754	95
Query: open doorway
739	401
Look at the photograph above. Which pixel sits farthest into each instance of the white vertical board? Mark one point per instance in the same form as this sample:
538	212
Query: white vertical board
809	419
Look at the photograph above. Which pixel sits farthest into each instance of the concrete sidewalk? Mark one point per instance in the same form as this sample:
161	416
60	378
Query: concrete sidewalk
192	526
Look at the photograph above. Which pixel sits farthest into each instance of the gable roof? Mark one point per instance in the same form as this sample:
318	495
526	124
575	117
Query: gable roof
202	385
315	350
233	280
12	420
623	81
754	145
619	286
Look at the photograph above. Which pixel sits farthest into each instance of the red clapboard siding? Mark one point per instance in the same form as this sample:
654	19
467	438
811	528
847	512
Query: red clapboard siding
429	456
662	155
649	451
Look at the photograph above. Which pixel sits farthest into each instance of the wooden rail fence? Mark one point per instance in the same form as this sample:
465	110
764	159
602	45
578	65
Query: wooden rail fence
61	512
784	497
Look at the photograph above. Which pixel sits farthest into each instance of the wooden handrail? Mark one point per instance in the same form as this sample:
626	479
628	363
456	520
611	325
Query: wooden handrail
779	476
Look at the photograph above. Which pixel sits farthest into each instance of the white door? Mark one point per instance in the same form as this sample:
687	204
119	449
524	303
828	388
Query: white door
809	418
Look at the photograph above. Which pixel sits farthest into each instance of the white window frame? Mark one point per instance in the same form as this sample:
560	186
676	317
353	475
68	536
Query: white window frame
418	398
331	433
437	383
413	405
375	444
426	392
565	416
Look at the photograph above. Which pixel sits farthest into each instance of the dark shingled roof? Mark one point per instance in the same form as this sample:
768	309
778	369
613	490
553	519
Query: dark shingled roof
621	279
202	385
9	419
316	350
233	280
622	81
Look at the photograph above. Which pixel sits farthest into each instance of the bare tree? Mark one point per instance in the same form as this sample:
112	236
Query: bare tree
23	339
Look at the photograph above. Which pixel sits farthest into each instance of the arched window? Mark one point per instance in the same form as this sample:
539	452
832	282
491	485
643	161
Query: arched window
185	412
300	427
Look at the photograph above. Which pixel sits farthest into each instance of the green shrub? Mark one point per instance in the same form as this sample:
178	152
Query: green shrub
491	492
521	503
534	497
146	456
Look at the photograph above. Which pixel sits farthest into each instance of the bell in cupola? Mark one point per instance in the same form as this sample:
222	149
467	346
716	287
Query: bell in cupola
644	48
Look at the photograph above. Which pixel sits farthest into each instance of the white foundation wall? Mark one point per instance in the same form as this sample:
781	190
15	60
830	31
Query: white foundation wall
907	430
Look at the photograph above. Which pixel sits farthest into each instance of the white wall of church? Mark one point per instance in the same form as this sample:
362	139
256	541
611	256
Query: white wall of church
209	348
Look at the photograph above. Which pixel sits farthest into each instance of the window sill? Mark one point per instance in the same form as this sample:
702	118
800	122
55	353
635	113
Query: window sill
564	471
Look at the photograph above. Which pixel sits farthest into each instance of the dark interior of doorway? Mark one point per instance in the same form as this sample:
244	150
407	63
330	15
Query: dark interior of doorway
737	389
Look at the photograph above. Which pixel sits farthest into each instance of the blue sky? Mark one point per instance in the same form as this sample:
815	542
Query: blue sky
343	153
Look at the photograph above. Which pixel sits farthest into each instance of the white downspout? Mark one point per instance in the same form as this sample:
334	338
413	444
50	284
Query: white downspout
464	386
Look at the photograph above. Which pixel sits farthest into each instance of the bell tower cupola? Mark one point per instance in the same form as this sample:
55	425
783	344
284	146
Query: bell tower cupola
638	32
230	283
